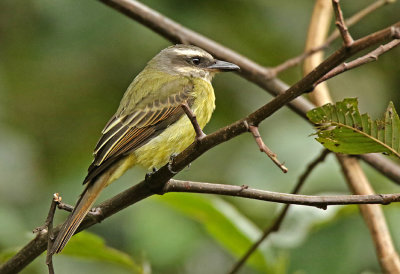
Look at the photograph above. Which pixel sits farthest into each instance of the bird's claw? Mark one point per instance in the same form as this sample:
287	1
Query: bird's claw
149	174
170	162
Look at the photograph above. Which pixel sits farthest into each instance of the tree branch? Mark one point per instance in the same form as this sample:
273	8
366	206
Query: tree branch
318	28
344	32
143	190
383	164
368	58
48	227
263	195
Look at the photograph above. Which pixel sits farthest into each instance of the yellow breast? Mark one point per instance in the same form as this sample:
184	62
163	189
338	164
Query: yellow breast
179	135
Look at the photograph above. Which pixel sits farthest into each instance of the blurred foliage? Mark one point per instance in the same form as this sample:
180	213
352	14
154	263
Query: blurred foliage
63	69
91	247
223	223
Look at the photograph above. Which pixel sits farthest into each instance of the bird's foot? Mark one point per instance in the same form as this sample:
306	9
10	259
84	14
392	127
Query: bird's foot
96	214
171	162
95	211
149	174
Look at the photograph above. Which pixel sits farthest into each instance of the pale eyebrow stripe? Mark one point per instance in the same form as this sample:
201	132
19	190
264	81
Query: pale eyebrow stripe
190	52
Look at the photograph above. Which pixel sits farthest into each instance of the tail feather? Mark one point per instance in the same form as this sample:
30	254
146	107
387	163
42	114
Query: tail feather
82	207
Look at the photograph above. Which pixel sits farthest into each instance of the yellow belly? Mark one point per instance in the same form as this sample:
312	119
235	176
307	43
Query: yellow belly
176	137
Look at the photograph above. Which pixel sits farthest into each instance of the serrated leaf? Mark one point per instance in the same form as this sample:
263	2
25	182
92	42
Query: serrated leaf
87	245
226	225
341	128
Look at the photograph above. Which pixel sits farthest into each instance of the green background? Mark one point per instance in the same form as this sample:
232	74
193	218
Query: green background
64	66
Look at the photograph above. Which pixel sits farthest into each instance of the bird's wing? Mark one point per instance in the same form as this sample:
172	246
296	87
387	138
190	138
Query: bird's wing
126	132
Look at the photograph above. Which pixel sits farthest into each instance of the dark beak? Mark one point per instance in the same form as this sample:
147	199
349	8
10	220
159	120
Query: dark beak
223	66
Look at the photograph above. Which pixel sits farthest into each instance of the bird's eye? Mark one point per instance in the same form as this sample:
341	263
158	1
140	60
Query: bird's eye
196	61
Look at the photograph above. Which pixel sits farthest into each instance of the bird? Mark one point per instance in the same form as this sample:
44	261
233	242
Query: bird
151	123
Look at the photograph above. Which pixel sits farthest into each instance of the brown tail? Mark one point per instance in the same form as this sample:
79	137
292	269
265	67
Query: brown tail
82	207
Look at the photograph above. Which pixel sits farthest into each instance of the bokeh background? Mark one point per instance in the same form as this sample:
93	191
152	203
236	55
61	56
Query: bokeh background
64	66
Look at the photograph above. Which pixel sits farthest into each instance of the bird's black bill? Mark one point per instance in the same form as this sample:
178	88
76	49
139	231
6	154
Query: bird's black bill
223	66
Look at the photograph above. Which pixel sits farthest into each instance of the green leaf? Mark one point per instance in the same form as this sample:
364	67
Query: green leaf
225	224
87	245
341	128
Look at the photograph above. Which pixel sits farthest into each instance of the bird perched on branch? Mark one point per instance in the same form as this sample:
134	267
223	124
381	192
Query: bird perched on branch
150	124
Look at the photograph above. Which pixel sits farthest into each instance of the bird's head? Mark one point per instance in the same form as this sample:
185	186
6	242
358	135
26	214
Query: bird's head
189	61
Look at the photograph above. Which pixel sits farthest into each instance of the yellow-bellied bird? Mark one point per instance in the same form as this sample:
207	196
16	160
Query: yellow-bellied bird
150	124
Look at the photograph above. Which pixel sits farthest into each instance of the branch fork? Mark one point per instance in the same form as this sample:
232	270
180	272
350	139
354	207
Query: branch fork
48	226
344	32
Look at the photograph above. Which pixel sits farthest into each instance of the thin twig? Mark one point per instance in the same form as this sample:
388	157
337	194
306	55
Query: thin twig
368	58
66	207
358	16
321	202
274	71
192	117
344	32
48	227
263	148
281	216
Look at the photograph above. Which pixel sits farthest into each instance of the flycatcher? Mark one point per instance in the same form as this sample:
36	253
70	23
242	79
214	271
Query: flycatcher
150	124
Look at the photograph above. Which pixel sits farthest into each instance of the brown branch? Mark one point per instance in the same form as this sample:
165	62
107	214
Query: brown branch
66	207
274	71
263	148
383	164
368	58
48	228
192	117
344	32
318	28
263	195
281	216
250	70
